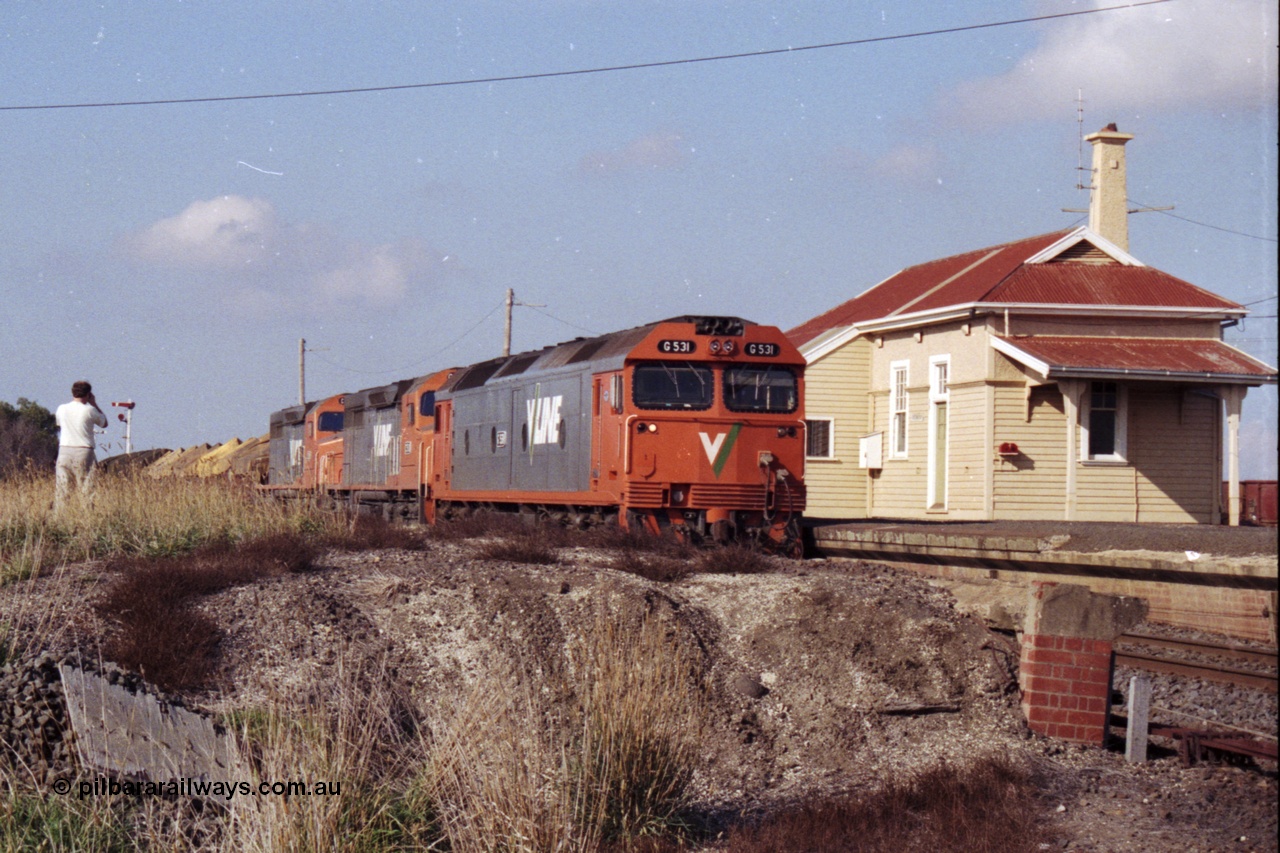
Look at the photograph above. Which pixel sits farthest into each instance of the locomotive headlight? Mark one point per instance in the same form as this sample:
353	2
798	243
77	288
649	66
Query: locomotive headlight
715	347
727	347
643	427
653	427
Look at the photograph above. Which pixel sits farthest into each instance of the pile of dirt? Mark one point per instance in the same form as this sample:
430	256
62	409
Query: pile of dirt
820	679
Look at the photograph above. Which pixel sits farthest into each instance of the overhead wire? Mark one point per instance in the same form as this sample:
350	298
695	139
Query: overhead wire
418	363
544	75
1148	209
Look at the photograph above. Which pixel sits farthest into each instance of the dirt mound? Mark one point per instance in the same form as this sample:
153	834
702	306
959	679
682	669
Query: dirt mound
819	679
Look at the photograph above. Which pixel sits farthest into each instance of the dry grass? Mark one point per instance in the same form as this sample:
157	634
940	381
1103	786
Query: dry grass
357	738
609	762
136	515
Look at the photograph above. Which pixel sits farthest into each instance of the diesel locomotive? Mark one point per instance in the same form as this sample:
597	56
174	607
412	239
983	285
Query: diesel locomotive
692	424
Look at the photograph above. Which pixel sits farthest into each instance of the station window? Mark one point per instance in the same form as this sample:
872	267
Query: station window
819	438
1104	422
898	406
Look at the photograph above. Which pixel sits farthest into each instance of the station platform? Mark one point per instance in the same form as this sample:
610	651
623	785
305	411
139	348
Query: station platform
1205	577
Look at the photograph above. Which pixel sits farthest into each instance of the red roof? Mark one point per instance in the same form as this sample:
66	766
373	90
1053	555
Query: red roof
1139	358
1002	274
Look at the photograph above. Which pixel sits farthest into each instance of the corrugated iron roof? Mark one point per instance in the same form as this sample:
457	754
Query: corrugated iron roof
1002	274
1150	358
1067	283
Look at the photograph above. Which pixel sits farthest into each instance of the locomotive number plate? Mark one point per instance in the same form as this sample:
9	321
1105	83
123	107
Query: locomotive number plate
677	347
763	350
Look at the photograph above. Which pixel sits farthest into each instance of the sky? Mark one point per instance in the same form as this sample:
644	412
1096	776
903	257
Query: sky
175	253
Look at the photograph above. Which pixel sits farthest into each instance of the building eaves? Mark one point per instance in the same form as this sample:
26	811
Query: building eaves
1200	360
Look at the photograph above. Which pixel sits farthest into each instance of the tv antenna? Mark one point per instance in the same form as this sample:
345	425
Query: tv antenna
1080	167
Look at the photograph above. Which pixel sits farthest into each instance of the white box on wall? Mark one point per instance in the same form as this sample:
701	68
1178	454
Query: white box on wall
871	450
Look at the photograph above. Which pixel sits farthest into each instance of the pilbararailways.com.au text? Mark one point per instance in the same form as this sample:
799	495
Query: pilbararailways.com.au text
199	787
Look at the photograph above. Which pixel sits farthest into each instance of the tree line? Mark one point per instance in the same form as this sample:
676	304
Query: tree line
28	437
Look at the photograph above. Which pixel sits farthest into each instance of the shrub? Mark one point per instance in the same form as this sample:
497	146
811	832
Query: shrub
525	547
990	806
733	560
160	633
364	532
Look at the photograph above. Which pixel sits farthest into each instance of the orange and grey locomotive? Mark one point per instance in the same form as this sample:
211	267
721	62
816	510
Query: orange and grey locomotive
694	424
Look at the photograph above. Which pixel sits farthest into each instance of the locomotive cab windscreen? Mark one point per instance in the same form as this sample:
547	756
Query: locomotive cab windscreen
672	385
761	388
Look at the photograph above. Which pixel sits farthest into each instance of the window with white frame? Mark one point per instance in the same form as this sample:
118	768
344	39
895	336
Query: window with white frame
898	404
819	438
1104	422
939	375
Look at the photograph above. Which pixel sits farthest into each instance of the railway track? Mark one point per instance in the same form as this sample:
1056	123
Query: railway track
1198	659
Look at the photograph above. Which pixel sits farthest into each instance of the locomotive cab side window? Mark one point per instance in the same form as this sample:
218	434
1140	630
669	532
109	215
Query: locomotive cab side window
331	421
760	388
672	385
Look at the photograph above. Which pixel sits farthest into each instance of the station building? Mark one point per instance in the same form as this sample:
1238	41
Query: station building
1054	377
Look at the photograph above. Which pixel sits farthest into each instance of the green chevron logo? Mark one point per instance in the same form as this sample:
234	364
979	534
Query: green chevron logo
719	448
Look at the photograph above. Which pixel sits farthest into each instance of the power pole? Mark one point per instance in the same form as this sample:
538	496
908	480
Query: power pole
506	332
302	371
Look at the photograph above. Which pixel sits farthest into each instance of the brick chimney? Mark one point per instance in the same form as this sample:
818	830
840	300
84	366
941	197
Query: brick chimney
1108	201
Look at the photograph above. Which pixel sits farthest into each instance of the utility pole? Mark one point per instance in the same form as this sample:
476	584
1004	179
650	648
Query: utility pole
302	371
506	334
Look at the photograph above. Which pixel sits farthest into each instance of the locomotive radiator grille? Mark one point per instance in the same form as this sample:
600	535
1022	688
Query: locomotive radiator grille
645	494
707	495
712	495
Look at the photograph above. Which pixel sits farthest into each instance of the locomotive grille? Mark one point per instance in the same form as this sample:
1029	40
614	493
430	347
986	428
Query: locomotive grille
645	494
707	495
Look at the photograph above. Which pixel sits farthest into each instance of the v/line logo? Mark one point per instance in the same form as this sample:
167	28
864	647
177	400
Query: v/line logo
719	448
543	419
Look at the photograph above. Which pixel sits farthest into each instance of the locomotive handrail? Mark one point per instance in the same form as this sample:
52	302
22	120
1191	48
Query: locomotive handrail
626	444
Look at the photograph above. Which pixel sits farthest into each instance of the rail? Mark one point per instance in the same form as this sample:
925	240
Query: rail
1202	669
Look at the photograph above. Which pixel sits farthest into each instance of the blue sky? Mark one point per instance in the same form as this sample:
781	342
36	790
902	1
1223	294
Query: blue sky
176	253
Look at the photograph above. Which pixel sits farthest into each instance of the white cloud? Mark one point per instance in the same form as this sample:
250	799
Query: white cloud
224	232
260	262
654	151
1218	54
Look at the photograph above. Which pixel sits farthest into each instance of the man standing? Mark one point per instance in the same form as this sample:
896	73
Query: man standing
76	421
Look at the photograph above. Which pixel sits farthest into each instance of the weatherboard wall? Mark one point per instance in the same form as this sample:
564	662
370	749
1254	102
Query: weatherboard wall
835	389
